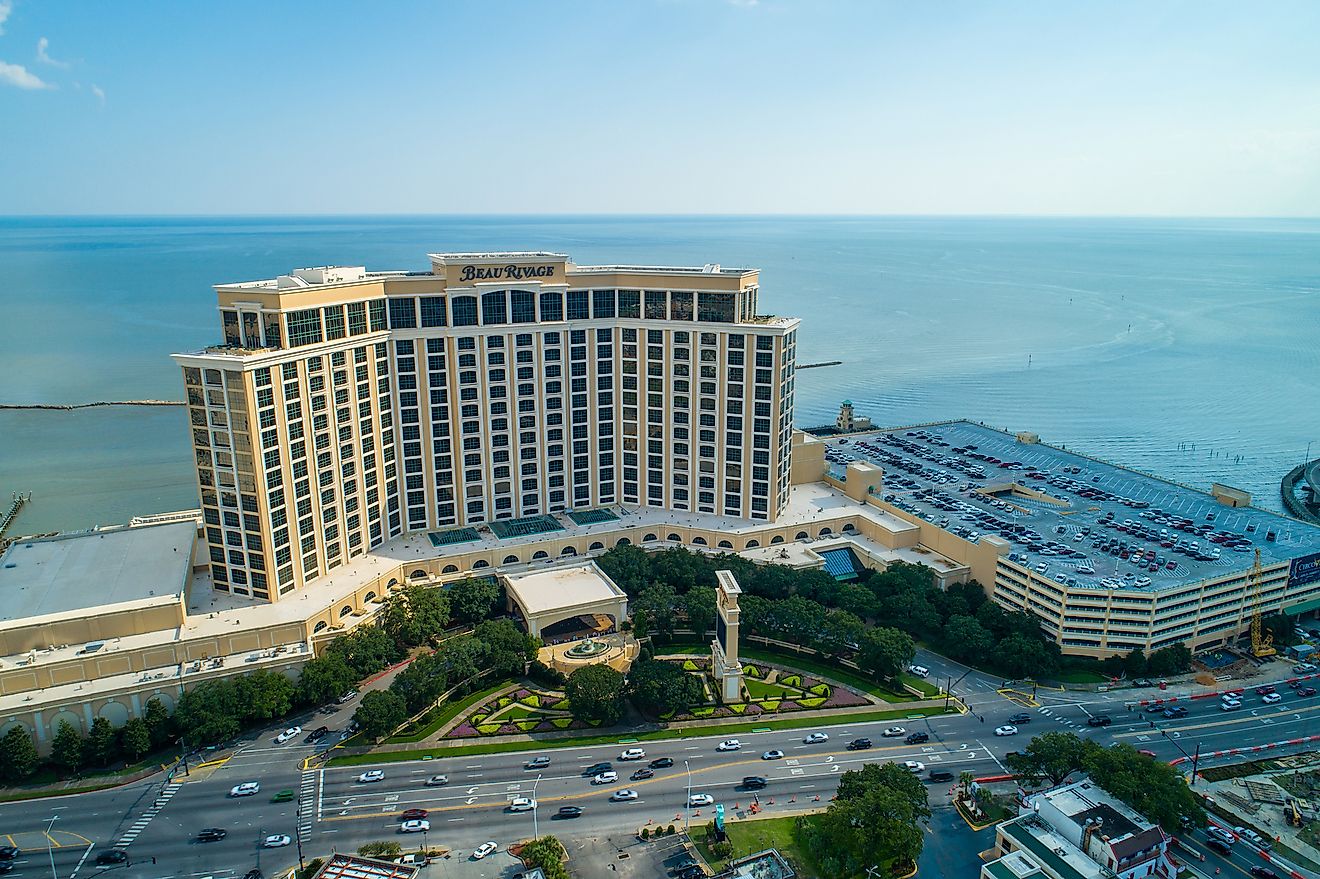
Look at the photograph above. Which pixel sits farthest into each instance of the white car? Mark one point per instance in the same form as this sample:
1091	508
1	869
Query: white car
606	778
919	670
620	796
522	804
417	825
1271	698
773	755
1230	705
370	776
277	841
437	780
729	745
700	800
816	738
914	766
287	734
1006	730
633	754
246	789
484	849
349	695
894	731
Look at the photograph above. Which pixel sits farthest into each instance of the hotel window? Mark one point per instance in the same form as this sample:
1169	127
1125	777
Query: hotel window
577	305
630	303
357	318
304	327
680	306
494	308
715	307
463	311
522	307
334	322
433	311
230	321
272	320
602	303
403	313
657	307
377	311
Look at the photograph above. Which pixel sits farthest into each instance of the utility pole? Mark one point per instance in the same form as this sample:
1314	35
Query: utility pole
298	836
1195	757
49	849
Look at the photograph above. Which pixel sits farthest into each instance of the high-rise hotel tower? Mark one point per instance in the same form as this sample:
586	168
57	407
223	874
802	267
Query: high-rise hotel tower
347	407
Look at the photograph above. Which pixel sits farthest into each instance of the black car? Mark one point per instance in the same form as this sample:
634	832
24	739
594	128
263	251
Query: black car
317	734
1263	872
254	873
1219	845
1175	711
859	744
1099	720
661	763
1020	717
917	738
693	872
754	782
569	812
940	775
640	774
598	768
212	834
9	852
111	856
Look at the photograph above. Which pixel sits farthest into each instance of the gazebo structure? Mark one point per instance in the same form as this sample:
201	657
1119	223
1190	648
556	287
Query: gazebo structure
577	592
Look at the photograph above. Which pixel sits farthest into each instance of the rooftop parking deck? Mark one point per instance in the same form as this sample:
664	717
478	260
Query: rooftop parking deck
1069	517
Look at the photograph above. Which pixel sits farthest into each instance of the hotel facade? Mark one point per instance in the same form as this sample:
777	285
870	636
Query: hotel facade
346	407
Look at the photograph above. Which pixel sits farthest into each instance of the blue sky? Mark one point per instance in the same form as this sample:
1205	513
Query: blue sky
661	106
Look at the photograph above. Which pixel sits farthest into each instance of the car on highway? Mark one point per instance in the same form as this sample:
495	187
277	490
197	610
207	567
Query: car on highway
1271	698
537	763
110	857
317	734
1306	691
633	754
437	781
212	834
917	738
288	734
522	804
919	670
859	744
1216	832
1262	872
623	796
568	812
700	800
484	849
1146	753
597	768
642	773
279	840
371	775
1099	720
661	763
773	755
1020	717
246	789
1175	711
816	738
729	745
284	796
1230	705
608	777
1253	837
754	782
417	825
940	775
1265	690
1006	730
349	695
893	732
914	766
410	814
1219	846
9	852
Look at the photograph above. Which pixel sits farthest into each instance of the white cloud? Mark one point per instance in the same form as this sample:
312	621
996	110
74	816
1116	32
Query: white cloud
42	45
99	92
19	76
6	7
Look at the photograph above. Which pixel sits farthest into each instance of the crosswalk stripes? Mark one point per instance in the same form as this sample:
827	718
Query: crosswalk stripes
306	801
141	823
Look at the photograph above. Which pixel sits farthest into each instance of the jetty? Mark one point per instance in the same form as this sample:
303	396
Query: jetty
817	365
68	407
8	519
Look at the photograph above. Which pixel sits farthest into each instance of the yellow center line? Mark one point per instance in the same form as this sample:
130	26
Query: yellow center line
600	789
1239	719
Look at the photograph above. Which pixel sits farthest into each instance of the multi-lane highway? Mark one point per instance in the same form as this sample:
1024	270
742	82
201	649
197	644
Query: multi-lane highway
331	808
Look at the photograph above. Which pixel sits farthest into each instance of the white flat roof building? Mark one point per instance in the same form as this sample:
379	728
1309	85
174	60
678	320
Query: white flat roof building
549	597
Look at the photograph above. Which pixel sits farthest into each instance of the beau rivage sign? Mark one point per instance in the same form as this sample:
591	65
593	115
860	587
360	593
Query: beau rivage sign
505	273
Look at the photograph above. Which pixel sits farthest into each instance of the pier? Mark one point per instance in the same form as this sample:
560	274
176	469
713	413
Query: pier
817	365
67	407
9	517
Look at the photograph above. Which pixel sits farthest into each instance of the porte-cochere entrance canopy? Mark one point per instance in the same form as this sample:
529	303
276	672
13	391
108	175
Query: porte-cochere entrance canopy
548	597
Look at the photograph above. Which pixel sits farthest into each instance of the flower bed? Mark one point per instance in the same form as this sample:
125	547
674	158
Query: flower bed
523	711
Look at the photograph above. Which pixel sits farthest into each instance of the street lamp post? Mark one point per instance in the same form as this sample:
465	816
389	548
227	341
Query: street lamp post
536	827
297	830
1195	756
50	846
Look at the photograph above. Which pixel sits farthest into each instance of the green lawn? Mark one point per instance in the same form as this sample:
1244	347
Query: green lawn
761	690
929	690
1076	676
616	738
436	719
749	837
801	662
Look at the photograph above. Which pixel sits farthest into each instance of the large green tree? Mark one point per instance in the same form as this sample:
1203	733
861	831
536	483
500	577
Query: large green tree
699	608
662	688
474	599
1053	756
263	695
210	713
134	739
508	648
160	724
1172	660
653	610
628	566
415	615
66	751
101	745
380	713
1152	787
595	694
366	650
875	818
885	652
965	639
421	682
324	679
18	756
548	853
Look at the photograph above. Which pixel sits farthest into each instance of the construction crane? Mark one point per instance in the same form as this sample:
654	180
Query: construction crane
1262	640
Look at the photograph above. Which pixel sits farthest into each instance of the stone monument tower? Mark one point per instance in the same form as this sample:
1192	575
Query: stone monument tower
725	667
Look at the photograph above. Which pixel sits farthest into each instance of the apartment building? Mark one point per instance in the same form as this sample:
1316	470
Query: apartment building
347	407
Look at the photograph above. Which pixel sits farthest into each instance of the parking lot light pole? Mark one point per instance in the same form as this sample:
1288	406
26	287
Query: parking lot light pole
50	850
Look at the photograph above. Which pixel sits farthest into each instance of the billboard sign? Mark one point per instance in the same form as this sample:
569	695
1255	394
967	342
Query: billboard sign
1304	570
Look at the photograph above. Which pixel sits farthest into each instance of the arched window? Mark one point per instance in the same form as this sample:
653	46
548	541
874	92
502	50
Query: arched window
753	543
596	545
418	574
540	554
568	550
650	537
345	611
825	532
510	560
724	544
371	596
699	541
778	538
450	569
849	528
675	538
494	308
319	627
393	582
522	306
480	563
552	306
463	311
622	541
802	535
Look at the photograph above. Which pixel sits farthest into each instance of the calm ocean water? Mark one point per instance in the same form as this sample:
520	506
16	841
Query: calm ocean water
1133	340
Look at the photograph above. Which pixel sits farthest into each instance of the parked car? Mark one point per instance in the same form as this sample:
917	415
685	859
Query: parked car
317	734
1306	691
1216	832
347	696
919	670
1262	872
484	849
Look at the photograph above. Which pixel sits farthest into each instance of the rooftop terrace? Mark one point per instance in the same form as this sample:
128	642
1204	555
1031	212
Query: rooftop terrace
1049	503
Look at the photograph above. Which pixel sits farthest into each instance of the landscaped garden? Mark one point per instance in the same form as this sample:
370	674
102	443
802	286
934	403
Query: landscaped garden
770	690
522	711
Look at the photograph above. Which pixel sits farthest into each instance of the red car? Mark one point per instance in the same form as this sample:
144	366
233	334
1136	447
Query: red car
412	814
1265	690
